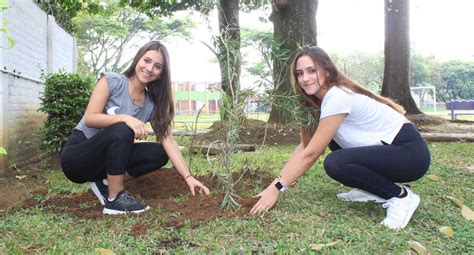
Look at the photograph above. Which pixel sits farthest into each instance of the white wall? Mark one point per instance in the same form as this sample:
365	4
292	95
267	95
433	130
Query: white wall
40	46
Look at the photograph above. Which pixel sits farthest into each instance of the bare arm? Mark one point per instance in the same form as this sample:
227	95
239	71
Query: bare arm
301	160
298	164
96	118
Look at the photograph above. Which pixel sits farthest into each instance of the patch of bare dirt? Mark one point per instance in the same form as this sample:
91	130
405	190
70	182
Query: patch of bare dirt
15	193
431	124
165	191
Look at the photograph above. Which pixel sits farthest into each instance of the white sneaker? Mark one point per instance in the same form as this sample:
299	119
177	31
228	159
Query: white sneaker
400	210
357	195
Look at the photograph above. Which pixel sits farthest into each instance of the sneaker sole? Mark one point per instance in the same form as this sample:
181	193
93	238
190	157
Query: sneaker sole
118	212
378	201
97	193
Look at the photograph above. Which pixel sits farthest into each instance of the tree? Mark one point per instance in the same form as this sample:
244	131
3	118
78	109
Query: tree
228	48
294	24
365	68
65	10
419	71
396	81
103	37
262	41
457	81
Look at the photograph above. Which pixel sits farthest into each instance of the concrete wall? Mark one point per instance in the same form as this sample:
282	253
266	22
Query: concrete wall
40	46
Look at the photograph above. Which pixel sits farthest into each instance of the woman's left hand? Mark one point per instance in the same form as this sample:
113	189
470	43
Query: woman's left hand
267	200
193	184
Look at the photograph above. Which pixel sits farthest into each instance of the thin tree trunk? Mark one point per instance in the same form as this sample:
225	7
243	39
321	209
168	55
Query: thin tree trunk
229	47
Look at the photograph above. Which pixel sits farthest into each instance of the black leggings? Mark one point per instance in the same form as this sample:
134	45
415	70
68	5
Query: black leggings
111	151
375	169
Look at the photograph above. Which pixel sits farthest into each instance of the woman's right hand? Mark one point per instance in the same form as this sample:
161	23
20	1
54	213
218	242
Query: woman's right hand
138	126
267	200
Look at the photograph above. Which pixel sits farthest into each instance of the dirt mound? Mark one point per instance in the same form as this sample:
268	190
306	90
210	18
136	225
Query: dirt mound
165	191
258	132
254	132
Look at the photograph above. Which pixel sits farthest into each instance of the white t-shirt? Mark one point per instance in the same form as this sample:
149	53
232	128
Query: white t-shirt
368	122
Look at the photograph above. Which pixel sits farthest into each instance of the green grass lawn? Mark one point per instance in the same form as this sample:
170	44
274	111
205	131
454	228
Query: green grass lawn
309	214
447	114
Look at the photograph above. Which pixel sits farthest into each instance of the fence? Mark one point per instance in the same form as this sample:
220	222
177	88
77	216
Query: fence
40	46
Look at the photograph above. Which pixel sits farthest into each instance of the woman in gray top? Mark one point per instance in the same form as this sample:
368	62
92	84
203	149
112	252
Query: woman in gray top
103	148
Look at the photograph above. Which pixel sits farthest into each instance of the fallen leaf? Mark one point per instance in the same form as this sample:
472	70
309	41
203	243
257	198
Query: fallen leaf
456	201
32	248
433	177
447	231
416	246
467	213
317	247
20	177
103	251
470	169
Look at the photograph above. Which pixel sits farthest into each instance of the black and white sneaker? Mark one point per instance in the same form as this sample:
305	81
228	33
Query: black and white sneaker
100	190
124	203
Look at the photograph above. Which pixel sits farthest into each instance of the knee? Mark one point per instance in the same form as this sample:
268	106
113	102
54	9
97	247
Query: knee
332	166
161	156
120	131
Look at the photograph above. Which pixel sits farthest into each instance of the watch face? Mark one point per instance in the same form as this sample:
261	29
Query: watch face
279	186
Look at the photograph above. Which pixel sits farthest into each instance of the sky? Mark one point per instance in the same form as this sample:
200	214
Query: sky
437	27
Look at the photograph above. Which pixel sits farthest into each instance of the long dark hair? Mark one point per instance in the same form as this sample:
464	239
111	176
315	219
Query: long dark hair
159	90
334	78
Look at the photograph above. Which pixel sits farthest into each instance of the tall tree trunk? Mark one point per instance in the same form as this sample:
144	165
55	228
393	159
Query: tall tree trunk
396	79
294	24
229	49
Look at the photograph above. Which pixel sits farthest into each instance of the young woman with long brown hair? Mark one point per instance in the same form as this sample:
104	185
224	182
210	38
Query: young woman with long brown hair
373	145
103	150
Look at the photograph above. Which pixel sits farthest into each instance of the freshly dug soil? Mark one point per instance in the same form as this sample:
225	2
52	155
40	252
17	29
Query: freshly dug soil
165	191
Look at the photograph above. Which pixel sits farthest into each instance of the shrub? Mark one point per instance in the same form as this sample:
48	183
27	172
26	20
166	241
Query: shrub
64	101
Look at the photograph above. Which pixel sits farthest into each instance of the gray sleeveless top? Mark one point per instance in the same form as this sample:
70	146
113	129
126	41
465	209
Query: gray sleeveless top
119	102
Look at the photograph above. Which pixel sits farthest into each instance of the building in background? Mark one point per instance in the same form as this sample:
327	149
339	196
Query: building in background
191	96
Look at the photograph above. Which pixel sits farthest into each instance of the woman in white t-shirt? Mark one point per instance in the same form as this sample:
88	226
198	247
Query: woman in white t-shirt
373	145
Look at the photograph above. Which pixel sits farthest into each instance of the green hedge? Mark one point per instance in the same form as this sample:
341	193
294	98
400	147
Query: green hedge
64	101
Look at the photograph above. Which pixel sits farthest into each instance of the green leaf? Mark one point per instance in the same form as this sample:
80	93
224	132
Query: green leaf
3	5
64	101
3	151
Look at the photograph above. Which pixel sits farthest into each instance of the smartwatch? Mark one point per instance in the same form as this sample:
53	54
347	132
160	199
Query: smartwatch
280	186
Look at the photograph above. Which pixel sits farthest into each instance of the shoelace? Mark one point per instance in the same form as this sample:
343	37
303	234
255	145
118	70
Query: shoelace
392	212
127	198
